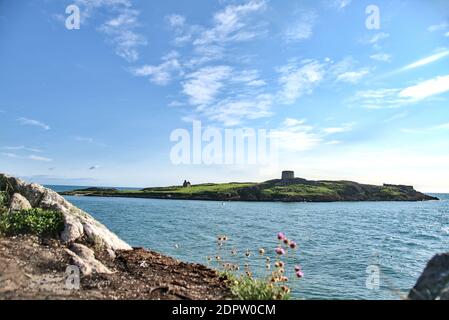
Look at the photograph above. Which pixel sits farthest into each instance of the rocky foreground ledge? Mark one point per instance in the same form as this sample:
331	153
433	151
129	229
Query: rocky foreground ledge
33	267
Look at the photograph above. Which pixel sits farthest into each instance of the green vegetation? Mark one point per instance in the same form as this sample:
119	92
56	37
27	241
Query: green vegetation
3	199
33	221
249	288
266	275
299	190
225	188
391	191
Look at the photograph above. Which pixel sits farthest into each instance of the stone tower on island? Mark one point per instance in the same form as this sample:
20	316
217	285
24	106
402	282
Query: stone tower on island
288	175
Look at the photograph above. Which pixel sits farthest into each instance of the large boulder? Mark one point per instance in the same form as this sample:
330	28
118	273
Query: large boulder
19	203
78	224
433	284
84	258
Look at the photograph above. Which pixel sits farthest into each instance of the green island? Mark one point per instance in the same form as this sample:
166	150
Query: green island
286	189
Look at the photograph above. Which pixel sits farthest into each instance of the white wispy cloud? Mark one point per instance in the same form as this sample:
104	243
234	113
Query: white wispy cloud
89	140
250	77
376	38
32	122
340	129
203	85
352	76
427	130
84	139
176	20
232	112
396	116
298	79
398	97
22	148
39	158
230	25
217	92
339	4
163	73
120	32
184	33
30	157
348	71
426	60
426	88
297	135
302	28
119	28
438	27
385	57
378	99
9	155
228	96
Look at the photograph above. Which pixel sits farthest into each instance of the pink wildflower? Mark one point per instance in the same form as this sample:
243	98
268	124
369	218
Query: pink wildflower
281	236
280	251
300	274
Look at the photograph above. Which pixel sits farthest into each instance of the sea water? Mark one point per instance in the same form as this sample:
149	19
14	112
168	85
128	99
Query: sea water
339	244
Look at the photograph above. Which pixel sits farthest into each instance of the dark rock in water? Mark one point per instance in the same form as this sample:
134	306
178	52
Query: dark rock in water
433	284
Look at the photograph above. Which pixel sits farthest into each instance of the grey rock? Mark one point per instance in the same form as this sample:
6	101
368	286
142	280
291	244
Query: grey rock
18	203
433	284
77	222
84	258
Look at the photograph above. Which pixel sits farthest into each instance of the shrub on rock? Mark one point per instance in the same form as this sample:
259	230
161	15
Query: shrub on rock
32	221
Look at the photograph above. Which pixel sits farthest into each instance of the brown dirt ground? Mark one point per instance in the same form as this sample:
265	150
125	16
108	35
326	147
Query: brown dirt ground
32	268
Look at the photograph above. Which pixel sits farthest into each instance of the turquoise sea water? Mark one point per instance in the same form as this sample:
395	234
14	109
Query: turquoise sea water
337	241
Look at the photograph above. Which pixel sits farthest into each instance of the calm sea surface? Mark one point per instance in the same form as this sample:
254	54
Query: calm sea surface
338	242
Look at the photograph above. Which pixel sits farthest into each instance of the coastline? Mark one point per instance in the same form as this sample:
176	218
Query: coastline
143	196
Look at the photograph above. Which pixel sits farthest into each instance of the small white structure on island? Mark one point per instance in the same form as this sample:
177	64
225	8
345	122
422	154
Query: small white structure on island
288	175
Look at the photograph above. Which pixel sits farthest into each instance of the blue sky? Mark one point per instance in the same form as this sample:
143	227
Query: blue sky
96	106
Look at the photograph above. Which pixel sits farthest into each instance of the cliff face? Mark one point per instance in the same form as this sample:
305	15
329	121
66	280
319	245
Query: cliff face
34	267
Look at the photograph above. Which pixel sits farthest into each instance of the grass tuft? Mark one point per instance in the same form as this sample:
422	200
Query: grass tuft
3	199
249	288
33	221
